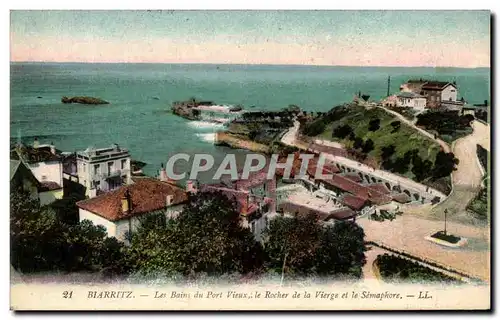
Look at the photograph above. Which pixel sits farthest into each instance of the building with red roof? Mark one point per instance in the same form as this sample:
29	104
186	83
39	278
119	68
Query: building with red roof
120	210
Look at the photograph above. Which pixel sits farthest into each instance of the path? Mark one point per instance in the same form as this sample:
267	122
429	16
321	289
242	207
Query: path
444	145
468	176
290	138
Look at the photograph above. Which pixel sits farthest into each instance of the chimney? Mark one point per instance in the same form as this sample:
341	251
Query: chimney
163	173
169	200
126	202
191	186
36	143
52	148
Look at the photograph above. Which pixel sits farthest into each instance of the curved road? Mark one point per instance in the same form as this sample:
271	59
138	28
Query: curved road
468	176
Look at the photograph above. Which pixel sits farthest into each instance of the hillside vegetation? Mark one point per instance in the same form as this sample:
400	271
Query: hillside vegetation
375	137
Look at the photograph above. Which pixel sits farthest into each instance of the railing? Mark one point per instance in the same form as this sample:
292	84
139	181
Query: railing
111	174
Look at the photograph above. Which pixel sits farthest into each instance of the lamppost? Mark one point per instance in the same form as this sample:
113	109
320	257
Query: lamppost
445	212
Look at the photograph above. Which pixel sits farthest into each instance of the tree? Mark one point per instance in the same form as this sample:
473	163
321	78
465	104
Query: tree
396	125
314	128
342	131
358	143
374	124
368	146
42	242
388	151
292	243
206	237
444	164
342	250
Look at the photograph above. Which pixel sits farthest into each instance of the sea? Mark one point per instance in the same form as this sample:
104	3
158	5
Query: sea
139	118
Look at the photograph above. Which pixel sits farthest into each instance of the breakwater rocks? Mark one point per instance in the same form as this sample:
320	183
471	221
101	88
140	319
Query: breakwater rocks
83	100
186	109
237	142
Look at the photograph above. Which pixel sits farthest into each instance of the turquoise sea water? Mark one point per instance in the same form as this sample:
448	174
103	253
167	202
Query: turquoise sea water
141	93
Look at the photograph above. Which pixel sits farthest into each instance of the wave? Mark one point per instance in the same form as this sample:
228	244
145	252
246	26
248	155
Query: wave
205	125
208	137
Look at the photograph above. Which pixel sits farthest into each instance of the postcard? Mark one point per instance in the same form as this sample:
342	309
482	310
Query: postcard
250	160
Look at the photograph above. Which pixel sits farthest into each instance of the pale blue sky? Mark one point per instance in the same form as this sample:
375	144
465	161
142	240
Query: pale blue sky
299	37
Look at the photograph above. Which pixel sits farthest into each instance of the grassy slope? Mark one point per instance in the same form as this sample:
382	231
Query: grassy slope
404	140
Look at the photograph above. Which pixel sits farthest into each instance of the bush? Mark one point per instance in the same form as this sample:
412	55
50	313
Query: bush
374	124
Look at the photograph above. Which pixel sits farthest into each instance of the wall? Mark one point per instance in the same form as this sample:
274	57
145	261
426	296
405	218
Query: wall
48	171
98	220
449	93
47	197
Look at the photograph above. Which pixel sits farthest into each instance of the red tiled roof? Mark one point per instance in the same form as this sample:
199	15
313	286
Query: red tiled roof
354	177
317	148
380	187
49	186
435	85
146	194
357	189
354	202
242	198
401	197
341	214
35	155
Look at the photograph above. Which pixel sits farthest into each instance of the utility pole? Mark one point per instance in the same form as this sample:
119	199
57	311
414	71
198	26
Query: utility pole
388	85
445	212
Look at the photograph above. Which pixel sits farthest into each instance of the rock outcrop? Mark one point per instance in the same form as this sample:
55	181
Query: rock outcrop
83	100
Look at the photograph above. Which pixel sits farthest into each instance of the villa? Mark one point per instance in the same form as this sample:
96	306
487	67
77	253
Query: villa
120	211
435	92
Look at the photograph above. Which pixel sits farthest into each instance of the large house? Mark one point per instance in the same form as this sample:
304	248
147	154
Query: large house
120	211
45	162
99	170
436	92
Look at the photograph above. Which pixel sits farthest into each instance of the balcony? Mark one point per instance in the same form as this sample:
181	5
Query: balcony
112	174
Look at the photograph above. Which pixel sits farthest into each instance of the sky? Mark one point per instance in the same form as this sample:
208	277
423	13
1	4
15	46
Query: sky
347	38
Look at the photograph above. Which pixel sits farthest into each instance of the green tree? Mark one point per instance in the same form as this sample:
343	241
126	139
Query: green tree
374	124
368	146
358	143
342	250
207	237
342	131
388	151
291	244
444	164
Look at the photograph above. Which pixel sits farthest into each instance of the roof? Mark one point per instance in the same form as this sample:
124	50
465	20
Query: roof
14	164
147	195
354	177
401	197
380	187
328	149
357	189
242	198
354	202
30	154
436	85
406	94
339	214
49	186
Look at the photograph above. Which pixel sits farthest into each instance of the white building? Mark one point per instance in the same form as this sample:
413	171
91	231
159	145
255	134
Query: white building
102	170
120	211
411	100
45	163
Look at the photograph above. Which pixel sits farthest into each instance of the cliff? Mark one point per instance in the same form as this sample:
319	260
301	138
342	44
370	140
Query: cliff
83	100
238	142
185	108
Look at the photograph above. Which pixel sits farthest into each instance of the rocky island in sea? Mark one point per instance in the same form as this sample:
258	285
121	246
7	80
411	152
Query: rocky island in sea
83	100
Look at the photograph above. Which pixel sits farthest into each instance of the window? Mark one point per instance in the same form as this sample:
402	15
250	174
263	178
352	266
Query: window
44	178
110	167
124	164
452	90
96	169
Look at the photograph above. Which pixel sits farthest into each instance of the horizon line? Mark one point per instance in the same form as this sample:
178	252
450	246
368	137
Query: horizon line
253	64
